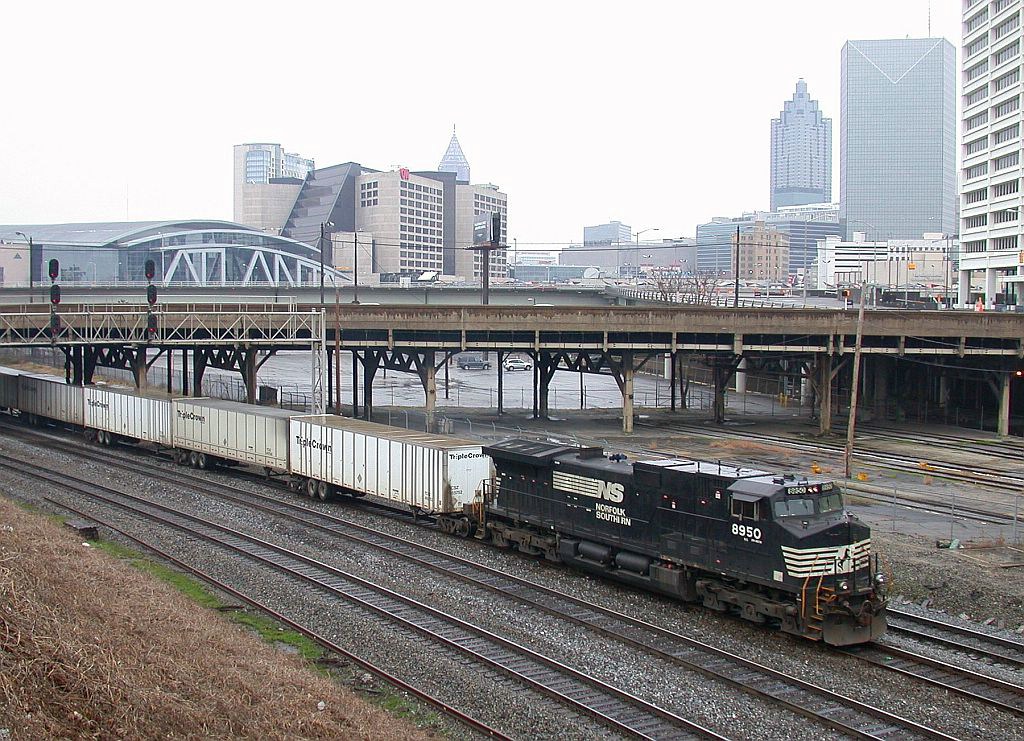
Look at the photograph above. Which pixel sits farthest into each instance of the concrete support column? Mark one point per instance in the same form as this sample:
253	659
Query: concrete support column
673	360
248	369
741	377
428	376
184	371
79	377
170	372
1004	405
963	290
990	287
544	373
882	375
198	370
355	384
627	392
139	368
823	361
501	383
371	363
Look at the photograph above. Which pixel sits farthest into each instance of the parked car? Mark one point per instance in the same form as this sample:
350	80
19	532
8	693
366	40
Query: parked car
469	361
516	364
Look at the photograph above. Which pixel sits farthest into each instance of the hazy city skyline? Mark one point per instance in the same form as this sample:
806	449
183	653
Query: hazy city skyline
125	113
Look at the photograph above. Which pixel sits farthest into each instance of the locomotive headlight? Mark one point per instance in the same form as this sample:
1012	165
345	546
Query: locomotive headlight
843	585
879	580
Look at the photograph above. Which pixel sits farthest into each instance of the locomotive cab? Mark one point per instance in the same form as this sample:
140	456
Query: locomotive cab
824	554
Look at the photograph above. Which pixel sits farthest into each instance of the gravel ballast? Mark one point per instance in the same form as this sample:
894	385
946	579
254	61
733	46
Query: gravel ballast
712	703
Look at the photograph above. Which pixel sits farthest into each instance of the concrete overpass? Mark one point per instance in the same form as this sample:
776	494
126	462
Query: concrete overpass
616	341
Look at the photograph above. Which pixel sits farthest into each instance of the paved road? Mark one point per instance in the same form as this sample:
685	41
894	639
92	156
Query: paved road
290	372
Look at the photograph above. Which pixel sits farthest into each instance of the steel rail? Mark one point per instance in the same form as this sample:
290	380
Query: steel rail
614	707
841	713
318	638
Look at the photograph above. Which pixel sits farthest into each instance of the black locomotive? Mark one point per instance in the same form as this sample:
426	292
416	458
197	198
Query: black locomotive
772	548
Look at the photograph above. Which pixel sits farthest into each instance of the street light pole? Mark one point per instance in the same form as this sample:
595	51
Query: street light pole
29	240
355	267
736	292
636	274
320	244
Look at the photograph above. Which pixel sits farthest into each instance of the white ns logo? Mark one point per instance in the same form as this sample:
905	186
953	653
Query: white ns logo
611	491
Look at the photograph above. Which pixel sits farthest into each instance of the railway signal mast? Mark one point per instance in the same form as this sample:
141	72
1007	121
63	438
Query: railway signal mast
54	272
151	323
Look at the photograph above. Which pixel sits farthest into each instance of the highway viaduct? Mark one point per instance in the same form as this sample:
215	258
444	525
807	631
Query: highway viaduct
985	347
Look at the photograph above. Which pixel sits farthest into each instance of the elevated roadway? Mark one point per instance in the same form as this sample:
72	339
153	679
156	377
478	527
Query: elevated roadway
613	340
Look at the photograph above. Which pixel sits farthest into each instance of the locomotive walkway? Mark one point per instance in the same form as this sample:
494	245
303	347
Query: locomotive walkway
616	341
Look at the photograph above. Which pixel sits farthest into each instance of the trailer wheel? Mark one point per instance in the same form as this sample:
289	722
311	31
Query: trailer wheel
463	527
202	461
311	487
323	491
193	459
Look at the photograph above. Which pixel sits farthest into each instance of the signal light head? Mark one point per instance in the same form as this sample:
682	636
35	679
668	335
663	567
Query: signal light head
151	294
54	294
151	325
54	268
150	269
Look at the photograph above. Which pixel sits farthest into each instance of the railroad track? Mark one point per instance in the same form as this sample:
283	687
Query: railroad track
993	648
320	639
844	714
619	710
956	679
1004	481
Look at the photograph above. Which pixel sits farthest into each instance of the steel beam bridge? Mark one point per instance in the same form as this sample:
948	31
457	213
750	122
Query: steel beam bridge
612	340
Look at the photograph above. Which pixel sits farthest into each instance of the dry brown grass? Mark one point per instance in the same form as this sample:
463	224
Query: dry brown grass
90	647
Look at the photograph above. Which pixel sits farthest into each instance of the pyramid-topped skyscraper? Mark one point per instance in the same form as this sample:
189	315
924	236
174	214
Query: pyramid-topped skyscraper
455	161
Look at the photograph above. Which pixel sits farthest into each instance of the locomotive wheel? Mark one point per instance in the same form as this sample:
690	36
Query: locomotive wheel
311	487
323	491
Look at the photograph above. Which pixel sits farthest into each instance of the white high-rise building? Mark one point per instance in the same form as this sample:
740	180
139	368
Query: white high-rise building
801	165
990	191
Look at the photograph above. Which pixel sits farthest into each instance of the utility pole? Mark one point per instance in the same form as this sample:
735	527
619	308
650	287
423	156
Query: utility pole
852	421
736	292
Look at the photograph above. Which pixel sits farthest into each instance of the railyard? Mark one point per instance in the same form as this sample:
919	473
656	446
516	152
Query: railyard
683	670
506	644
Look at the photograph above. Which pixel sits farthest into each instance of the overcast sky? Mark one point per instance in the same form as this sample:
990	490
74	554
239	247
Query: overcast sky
655	114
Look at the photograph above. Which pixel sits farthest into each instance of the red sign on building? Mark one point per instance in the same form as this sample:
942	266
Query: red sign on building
403	172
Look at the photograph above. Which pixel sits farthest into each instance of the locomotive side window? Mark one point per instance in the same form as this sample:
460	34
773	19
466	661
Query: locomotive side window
794	507
745	510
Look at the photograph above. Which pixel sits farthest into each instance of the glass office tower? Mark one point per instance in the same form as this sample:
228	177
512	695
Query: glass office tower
897	140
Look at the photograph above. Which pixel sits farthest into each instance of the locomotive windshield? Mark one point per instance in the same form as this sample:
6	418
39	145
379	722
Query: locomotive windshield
804	506
794	507
831	502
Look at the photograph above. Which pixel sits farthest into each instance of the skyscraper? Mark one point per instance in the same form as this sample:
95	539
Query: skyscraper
897	140
455	161
991	234
801	153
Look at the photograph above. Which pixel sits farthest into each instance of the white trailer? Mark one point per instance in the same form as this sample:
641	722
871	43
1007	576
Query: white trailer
8	388
428	473
128	414
49	397
232	431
